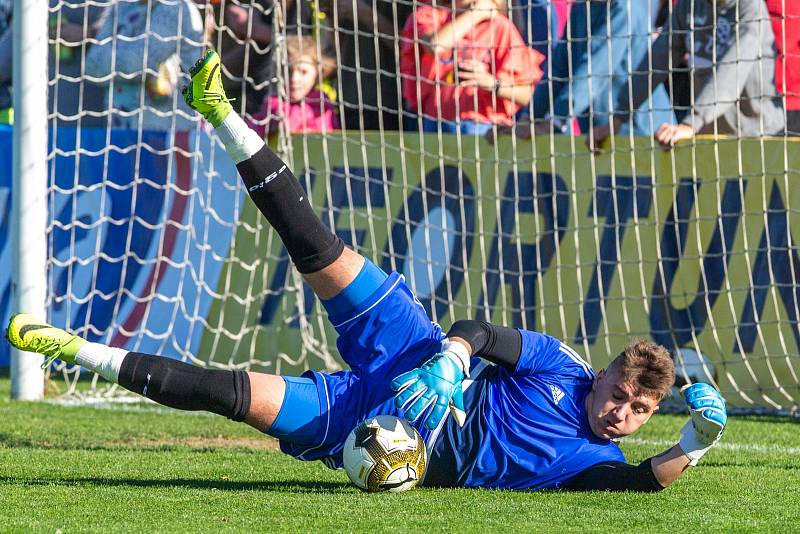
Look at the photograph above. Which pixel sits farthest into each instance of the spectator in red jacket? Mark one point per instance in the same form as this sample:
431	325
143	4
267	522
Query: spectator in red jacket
785	15
466	68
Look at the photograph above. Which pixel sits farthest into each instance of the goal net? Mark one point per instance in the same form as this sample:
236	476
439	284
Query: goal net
153	244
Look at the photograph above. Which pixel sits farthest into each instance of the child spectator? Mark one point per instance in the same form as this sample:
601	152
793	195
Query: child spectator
474	68
306	108
732	62
785	15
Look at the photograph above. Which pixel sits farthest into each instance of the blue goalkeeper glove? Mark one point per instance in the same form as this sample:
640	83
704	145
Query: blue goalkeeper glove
437	382
707	420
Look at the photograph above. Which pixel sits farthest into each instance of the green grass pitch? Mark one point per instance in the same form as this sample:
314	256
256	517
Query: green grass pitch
142	468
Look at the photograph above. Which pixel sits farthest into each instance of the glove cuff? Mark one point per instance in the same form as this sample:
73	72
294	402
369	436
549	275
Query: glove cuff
691	445
458	352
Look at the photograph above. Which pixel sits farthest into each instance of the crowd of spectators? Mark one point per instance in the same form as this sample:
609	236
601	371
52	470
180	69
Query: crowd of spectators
730	50
667	68
604	42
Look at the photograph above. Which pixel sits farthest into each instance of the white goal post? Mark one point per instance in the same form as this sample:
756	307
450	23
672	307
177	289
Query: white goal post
29	189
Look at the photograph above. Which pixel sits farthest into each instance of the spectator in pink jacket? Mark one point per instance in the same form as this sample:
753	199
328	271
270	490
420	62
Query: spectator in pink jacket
305	109
785	17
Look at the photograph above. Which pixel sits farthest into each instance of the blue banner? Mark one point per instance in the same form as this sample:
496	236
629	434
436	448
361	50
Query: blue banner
139	227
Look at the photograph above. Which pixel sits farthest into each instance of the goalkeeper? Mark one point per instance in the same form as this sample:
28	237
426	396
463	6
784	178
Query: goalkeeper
497	407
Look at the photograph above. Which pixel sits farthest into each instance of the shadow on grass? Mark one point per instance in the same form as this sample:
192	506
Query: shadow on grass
284	486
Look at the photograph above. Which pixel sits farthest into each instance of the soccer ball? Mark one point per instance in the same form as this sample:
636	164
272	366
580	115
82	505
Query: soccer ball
385	453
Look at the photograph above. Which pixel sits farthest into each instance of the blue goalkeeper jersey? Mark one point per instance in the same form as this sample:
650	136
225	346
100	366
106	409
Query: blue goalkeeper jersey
526	428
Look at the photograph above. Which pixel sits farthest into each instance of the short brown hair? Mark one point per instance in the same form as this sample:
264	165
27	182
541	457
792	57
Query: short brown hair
647	368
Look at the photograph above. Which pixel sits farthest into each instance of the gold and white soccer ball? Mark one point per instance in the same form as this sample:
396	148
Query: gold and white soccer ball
385	453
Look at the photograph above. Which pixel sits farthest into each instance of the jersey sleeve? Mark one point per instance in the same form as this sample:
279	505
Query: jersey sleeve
616	476
545	354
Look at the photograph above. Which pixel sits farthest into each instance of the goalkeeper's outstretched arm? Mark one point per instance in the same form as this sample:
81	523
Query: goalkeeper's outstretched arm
654	474
707	420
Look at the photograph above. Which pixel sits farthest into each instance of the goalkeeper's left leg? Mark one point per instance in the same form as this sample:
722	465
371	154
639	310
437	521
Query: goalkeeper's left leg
255	398
317	252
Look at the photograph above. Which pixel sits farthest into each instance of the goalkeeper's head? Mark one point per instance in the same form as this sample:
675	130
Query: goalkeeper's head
627	393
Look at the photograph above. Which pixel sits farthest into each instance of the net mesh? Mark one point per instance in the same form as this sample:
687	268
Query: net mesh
153	244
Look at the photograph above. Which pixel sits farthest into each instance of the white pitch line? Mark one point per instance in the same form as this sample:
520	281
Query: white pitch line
748	447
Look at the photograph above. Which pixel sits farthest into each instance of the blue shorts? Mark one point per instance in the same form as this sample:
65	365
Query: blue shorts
386	335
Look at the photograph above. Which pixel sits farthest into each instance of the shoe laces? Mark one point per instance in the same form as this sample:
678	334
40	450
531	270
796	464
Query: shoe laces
214	97
48	347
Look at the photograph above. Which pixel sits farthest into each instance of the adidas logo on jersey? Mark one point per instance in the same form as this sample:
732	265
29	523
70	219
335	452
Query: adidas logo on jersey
557	394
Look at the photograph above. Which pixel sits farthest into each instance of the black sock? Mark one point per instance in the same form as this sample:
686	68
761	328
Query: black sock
186	387
278	195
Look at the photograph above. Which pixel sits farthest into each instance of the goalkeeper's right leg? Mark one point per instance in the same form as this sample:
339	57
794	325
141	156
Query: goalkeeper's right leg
319	254
255	398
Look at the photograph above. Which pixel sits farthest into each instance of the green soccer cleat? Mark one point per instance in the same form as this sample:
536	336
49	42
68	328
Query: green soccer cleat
205	93
29	334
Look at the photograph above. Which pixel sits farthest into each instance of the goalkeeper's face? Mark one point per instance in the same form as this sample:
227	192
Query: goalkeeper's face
614	408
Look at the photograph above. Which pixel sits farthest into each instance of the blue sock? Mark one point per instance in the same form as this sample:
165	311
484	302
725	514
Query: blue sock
366	282
300	418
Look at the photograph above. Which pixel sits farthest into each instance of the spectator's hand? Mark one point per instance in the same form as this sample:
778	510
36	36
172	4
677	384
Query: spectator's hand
671	134
472	73
238	19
